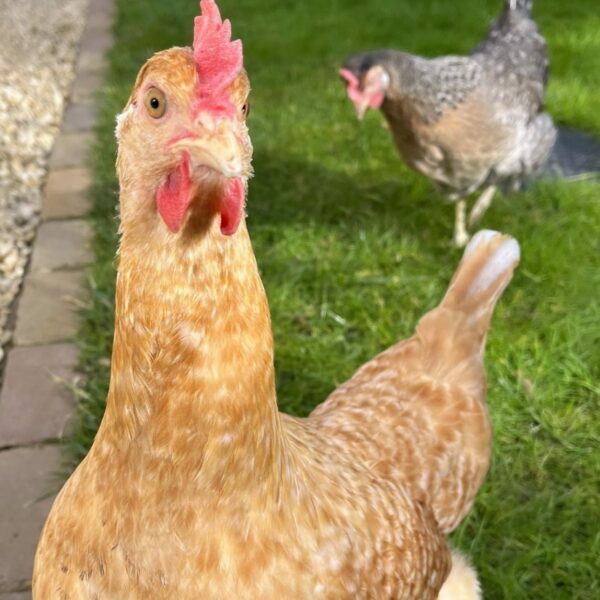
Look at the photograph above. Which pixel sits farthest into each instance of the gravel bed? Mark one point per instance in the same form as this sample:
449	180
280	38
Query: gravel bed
37	55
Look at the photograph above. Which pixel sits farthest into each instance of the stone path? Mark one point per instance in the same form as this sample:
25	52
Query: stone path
37	70
36	400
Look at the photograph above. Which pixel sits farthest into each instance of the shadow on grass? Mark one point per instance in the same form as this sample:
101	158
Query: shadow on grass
289	192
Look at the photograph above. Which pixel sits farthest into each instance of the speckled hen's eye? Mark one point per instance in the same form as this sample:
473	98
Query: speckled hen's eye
156	103
246	108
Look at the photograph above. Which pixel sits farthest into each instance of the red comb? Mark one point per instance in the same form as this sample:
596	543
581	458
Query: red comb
218	59
349	76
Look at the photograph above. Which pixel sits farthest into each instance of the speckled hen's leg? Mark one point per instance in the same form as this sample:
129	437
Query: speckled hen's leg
483	203
461	237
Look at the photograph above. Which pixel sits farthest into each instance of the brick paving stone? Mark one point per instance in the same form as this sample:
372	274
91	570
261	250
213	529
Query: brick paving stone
91	61
79	116
27	479
71	150
95	40
101	19
35	403
48	308
86	86
98	8
61	245
66	194
30	402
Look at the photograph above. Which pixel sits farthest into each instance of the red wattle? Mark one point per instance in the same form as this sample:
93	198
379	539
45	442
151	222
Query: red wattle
232	206
377	100
174	195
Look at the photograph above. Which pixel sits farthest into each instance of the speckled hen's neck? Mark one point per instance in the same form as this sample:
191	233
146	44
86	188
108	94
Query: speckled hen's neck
192	368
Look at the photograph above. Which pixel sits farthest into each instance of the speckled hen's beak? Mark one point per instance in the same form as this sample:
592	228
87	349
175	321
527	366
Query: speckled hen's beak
361	107
213	144
361	103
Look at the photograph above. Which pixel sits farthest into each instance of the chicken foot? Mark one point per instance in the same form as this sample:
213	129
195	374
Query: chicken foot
461	237
483	203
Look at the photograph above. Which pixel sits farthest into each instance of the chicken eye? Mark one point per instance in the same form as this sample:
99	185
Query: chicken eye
156	103
246	108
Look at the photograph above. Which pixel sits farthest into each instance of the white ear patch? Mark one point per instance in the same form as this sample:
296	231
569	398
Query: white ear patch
385	79
121	118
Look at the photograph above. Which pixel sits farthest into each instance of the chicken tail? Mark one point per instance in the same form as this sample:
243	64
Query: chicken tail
454	333
523	5
483	273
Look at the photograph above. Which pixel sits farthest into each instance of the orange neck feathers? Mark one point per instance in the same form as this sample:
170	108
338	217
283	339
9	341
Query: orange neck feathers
192	376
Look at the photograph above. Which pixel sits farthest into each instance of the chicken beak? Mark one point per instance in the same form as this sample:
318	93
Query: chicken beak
213	144
361	108
356	95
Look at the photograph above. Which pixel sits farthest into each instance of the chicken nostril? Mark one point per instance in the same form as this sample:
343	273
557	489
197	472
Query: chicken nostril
203	129
206	125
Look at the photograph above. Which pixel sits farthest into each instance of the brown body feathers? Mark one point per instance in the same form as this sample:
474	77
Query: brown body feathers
196	487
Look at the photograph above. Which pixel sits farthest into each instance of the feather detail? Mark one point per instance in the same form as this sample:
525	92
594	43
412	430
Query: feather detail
218	60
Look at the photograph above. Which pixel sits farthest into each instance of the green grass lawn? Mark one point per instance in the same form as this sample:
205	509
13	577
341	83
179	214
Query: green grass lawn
354	248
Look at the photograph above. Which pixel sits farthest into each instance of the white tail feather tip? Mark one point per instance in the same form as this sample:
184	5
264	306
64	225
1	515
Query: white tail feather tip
481	237
504	258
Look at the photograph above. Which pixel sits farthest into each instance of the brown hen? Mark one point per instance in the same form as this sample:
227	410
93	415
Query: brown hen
468	123
195	486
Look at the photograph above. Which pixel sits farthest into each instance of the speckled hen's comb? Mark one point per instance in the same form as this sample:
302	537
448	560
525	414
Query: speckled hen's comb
218	59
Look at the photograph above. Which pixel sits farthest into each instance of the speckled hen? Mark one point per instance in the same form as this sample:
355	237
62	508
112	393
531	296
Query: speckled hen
195	486
468	123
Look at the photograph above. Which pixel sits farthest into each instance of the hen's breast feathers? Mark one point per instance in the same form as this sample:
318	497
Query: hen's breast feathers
212	494
460	140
